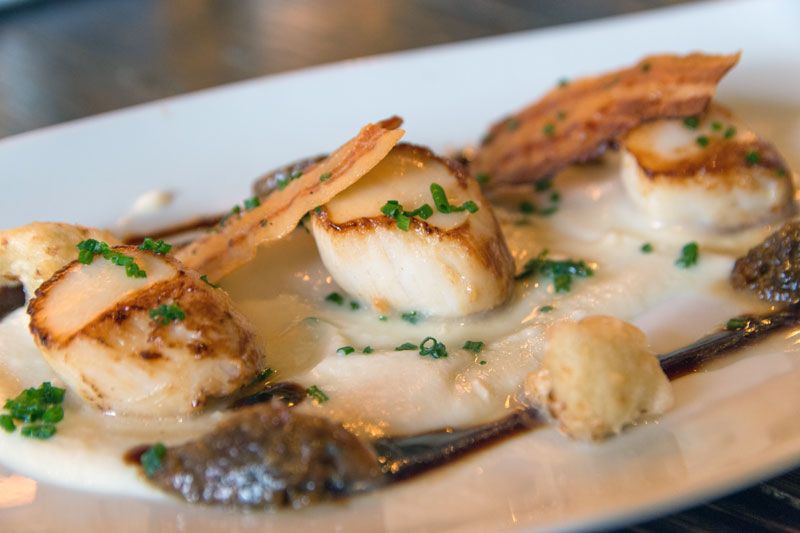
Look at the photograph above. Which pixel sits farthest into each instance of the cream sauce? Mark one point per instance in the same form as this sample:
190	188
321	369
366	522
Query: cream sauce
389	392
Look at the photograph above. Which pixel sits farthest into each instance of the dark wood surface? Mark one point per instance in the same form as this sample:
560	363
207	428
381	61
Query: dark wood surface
62	60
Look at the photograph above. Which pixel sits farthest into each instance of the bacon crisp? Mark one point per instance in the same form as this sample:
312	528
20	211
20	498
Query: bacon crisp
577	121
233	243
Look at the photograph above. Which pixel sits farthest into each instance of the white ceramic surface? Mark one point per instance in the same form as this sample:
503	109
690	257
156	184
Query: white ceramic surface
734	424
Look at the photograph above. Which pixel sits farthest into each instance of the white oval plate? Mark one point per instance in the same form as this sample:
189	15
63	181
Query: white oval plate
734	424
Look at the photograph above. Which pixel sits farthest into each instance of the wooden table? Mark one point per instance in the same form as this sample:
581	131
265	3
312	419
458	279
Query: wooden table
62	60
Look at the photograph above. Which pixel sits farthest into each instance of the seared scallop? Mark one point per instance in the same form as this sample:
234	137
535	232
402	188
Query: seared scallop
710	170
415	233
151	339
31	254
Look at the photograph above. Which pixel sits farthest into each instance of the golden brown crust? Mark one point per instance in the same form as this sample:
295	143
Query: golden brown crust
579	121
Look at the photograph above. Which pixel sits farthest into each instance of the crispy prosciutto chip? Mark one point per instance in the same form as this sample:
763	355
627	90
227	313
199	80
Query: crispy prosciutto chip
577	121
234	242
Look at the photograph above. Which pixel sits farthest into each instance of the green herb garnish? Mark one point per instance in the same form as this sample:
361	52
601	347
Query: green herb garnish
473	346
561	115
38	408
367	350
38	430
546	308
691	122
563	82
393	209
335	298
702	141
383	318
730	132
204	279
549	129
443	204
406	346
716	126
7	423
735	324
90	247
317	394
481	362
345	350
431	347
752	157
325	177
483	179
251	203
646	248
355	306
512	123
158	247
527	207
561	272
167	313
645	67
543	184
412	317
689	255
152	459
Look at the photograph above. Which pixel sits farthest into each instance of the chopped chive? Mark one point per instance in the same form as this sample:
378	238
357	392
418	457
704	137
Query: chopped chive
735	324
166	313
527	207
38	430
158	247
546	308
543	184
204	278
646	248
355	305
325	177
262	376
702	140
691	122
483	179
555	197
152	459
549	129
473	346
367	350
412	317
512	123
88	248
689	255
7	423
335	298
251	203
563	82
317	394
752	157
383	318
716	126
406	346
561	272
481	362
345	350
730	132
433	348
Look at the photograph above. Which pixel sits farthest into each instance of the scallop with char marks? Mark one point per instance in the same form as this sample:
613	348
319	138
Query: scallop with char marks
710	171
93	324
447	264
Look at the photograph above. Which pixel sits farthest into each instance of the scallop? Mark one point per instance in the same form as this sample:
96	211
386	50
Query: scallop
436	263
31	254
708	171
158	345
